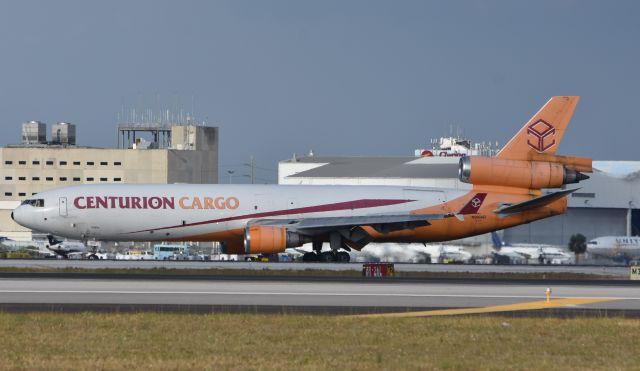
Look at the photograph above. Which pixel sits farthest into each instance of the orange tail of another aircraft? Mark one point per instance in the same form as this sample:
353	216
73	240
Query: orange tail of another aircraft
544	131
529	160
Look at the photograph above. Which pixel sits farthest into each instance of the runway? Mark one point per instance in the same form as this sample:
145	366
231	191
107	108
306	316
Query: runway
300	295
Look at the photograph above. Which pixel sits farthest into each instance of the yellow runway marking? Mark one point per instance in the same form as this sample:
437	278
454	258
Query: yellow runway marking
557	303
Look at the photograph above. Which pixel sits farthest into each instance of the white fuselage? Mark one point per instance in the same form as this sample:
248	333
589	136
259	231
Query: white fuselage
615	247
174	212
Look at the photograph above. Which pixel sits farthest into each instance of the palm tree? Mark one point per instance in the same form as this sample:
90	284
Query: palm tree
578	244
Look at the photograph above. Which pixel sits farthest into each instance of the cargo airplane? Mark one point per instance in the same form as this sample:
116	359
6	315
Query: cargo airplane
505	191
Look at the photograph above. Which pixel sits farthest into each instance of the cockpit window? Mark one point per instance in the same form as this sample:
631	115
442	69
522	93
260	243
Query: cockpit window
34	202
594	242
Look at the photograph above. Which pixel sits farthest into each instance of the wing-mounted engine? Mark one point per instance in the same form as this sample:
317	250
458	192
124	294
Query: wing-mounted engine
260	239
542	172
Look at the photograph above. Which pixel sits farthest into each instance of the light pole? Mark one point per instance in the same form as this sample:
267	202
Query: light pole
252	166
230	175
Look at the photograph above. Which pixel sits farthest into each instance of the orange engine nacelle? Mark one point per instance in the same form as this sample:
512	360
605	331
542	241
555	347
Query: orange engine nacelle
516	173
270	240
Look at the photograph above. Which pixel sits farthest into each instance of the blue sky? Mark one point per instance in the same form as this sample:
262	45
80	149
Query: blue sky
338	77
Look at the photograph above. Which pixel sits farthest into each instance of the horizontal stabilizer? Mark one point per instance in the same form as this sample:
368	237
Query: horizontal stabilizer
534	203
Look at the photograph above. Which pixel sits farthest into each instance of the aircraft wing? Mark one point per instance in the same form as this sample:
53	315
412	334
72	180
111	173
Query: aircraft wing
534	203
383	223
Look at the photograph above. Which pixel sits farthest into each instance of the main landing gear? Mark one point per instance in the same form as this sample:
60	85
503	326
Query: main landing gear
327	256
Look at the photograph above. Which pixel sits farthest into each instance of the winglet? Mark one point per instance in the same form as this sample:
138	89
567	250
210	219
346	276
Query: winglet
543	132
473	205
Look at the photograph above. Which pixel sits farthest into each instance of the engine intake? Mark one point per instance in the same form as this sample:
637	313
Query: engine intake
271	240
516	173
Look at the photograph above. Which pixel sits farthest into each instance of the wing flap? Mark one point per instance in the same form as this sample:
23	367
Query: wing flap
384	223
534	203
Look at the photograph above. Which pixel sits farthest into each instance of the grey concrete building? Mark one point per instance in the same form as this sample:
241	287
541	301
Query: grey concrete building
29	168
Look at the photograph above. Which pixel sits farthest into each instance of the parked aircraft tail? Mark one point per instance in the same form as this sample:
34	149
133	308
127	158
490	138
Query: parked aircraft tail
53	241
497	242
543	133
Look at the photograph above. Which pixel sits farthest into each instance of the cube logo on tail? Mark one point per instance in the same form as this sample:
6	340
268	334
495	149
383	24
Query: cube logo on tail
542	133
473	205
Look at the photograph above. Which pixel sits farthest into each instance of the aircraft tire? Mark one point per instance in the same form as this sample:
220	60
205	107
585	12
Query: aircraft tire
310	257
343	257
326	257
93	257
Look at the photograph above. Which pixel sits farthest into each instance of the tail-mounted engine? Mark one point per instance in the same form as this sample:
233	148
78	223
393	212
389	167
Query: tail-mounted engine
551	172
271	240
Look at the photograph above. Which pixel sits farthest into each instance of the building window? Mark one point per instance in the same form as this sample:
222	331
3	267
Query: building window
583	195
8	194
76	179
34	193
77	163
8	162
22	194
103	179
36	162
49	179
89	179
117	179
22	178
104	163
49	163
63	178
35	178
22	162
63	163
90	163
117	163
8	178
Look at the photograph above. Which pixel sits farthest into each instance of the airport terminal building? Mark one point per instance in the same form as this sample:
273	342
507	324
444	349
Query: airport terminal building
606	204
188	154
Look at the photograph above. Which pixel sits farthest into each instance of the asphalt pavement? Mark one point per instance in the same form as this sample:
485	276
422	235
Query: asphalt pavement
21	293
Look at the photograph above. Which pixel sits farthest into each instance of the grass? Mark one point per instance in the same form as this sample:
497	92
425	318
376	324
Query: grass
159	341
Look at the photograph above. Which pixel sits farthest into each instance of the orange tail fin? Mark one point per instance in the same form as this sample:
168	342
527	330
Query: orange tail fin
543	133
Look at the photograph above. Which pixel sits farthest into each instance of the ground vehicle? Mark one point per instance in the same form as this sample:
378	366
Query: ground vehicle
170	252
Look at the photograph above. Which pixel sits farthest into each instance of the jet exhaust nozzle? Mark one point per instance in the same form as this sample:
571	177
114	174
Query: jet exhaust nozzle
571	176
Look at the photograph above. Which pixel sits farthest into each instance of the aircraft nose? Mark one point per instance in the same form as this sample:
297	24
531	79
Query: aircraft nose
18	216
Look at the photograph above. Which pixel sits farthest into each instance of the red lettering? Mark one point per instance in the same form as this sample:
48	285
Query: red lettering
168	203
124	205
90	203
113	201
135	203
208	203
145	203
77	204
155	202
101	202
